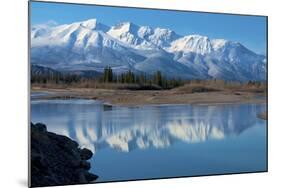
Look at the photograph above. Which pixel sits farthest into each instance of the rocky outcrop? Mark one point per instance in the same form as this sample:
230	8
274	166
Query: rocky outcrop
57	160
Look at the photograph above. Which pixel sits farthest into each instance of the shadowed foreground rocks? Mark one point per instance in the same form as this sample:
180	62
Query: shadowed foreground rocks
57	160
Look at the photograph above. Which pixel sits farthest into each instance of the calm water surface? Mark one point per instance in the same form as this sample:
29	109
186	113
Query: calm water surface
160	141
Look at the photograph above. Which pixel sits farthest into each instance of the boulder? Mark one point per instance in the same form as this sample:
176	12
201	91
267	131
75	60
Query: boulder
57	160
86	154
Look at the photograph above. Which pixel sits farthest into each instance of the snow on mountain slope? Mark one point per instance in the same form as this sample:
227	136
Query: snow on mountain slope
171	68
132	35
91	45
81	34
218	43
192	43
240	61
94	25
125	32
163	37
143	37
219	58
80	45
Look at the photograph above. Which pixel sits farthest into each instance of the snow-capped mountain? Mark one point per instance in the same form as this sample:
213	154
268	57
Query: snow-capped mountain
192	43
91	45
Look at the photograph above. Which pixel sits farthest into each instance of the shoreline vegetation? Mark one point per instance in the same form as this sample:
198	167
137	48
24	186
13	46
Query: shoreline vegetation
57	160
140	89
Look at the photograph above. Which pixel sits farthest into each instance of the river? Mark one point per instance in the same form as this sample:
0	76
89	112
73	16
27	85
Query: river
145	142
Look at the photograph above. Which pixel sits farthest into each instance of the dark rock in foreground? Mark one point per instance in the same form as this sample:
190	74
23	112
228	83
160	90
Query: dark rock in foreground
57	160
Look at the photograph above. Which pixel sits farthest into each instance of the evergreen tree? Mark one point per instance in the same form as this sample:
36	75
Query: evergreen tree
107	74
158	78
110	74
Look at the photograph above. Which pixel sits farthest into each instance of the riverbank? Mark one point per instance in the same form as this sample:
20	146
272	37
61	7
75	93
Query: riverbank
263	115
57	160
147	97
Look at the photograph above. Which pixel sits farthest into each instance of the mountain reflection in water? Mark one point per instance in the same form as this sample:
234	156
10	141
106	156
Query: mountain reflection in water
96	126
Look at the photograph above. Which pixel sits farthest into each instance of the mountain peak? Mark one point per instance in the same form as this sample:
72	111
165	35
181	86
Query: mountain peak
162	37
195	36
125	27
163	30
145	31
93	24
165	33
192	43
126	32
226	45
218	43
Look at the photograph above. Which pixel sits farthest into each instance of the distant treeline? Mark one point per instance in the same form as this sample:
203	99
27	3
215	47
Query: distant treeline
131	80
155	81
55	78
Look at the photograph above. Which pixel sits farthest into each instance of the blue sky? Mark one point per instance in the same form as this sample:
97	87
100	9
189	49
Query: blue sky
248	30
